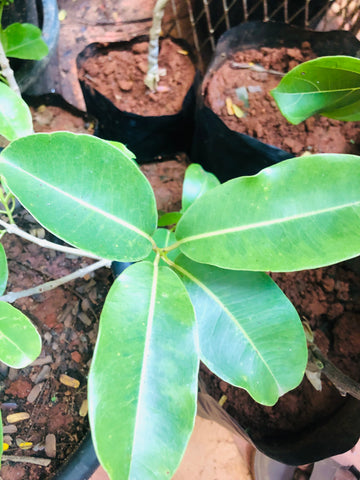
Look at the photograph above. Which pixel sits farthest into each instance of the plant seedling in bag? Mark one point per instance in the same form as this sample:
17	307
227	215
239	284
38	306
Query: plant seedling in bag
195	291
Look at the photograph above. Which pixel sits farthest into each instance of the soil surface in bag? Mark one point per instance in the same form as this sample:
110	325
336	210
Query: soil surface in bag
240	89
67	320
119	75
329	299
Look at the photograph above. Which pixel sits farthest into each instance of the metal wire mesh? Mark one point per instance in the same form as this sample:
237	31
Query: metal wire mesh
201	22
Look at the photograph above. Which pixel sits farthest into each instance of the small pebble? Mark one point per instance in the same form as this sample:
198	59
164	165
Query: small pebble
125	85
4	370
85	305
43	374
50	445
69	381
35	391
10	428
84	318
13	374
7	439
84	408
17	417
47	337
8	405
76	356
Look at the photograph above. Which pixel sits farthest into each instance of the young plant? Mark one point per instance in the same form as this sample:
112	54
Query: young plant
195	291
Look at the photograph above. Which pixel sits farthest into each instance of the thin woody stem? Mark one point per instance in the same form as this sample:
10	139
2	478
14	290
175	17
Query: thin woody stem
7	72
45	287
153	76
341	381
14	229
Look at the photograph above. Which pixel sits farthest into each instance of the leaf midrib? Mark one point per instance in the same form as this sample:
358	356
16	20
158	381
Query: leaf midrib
82	202
266	223
230	315
147	350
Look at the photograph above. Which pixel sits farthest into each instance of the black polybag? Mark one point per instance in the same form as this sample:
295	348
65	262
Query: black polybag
149	138
230	154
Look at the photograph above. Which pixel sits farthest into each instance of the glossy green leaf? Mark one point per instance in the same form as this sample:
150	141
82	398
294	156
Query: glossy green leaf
301	213
20	342
23	40
3	270
196	182
15	116
84	191
143	377
250	334
329	86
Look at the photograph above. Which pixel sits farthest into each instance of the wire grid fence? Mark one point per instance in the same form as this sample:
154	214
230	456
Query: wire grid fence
201	22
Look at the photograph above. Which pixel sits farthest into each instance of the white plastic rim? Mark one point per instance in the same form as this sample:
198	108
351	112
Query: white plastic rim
265	468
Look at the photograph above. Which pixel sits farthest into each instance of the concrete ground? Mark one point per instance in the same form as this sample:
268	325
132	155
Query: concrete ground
213	453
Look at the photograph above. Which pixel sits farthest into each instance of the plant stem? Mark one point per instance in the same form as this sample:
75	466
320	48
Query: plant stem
153	76
7	71
14	229
341	381
45	287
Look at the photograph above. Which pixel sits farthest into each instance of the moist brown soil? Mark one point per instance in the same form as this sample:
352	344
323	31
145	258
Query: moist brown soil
119	75
67	320
262	119
329	299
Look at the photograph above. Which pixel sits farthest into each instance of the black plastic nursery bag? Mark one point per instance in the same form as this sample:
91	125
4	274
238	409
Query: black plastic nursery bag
230	154
149	138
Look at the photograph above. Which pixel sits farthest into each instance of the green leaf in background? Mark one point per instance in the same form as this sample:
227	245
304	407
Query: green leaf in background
248	329
329	86
196	182
298	214
23	40
168	219
3	270
84	191
15	116
143	376
20	343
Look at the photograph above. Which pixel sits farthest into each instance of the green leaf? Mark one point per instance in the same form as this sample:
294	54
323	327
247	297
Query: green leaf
15	116
168	219
84	191
23	40
3	270
250	334
329	86
143	377
20	342
120	146
196	182
301	213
